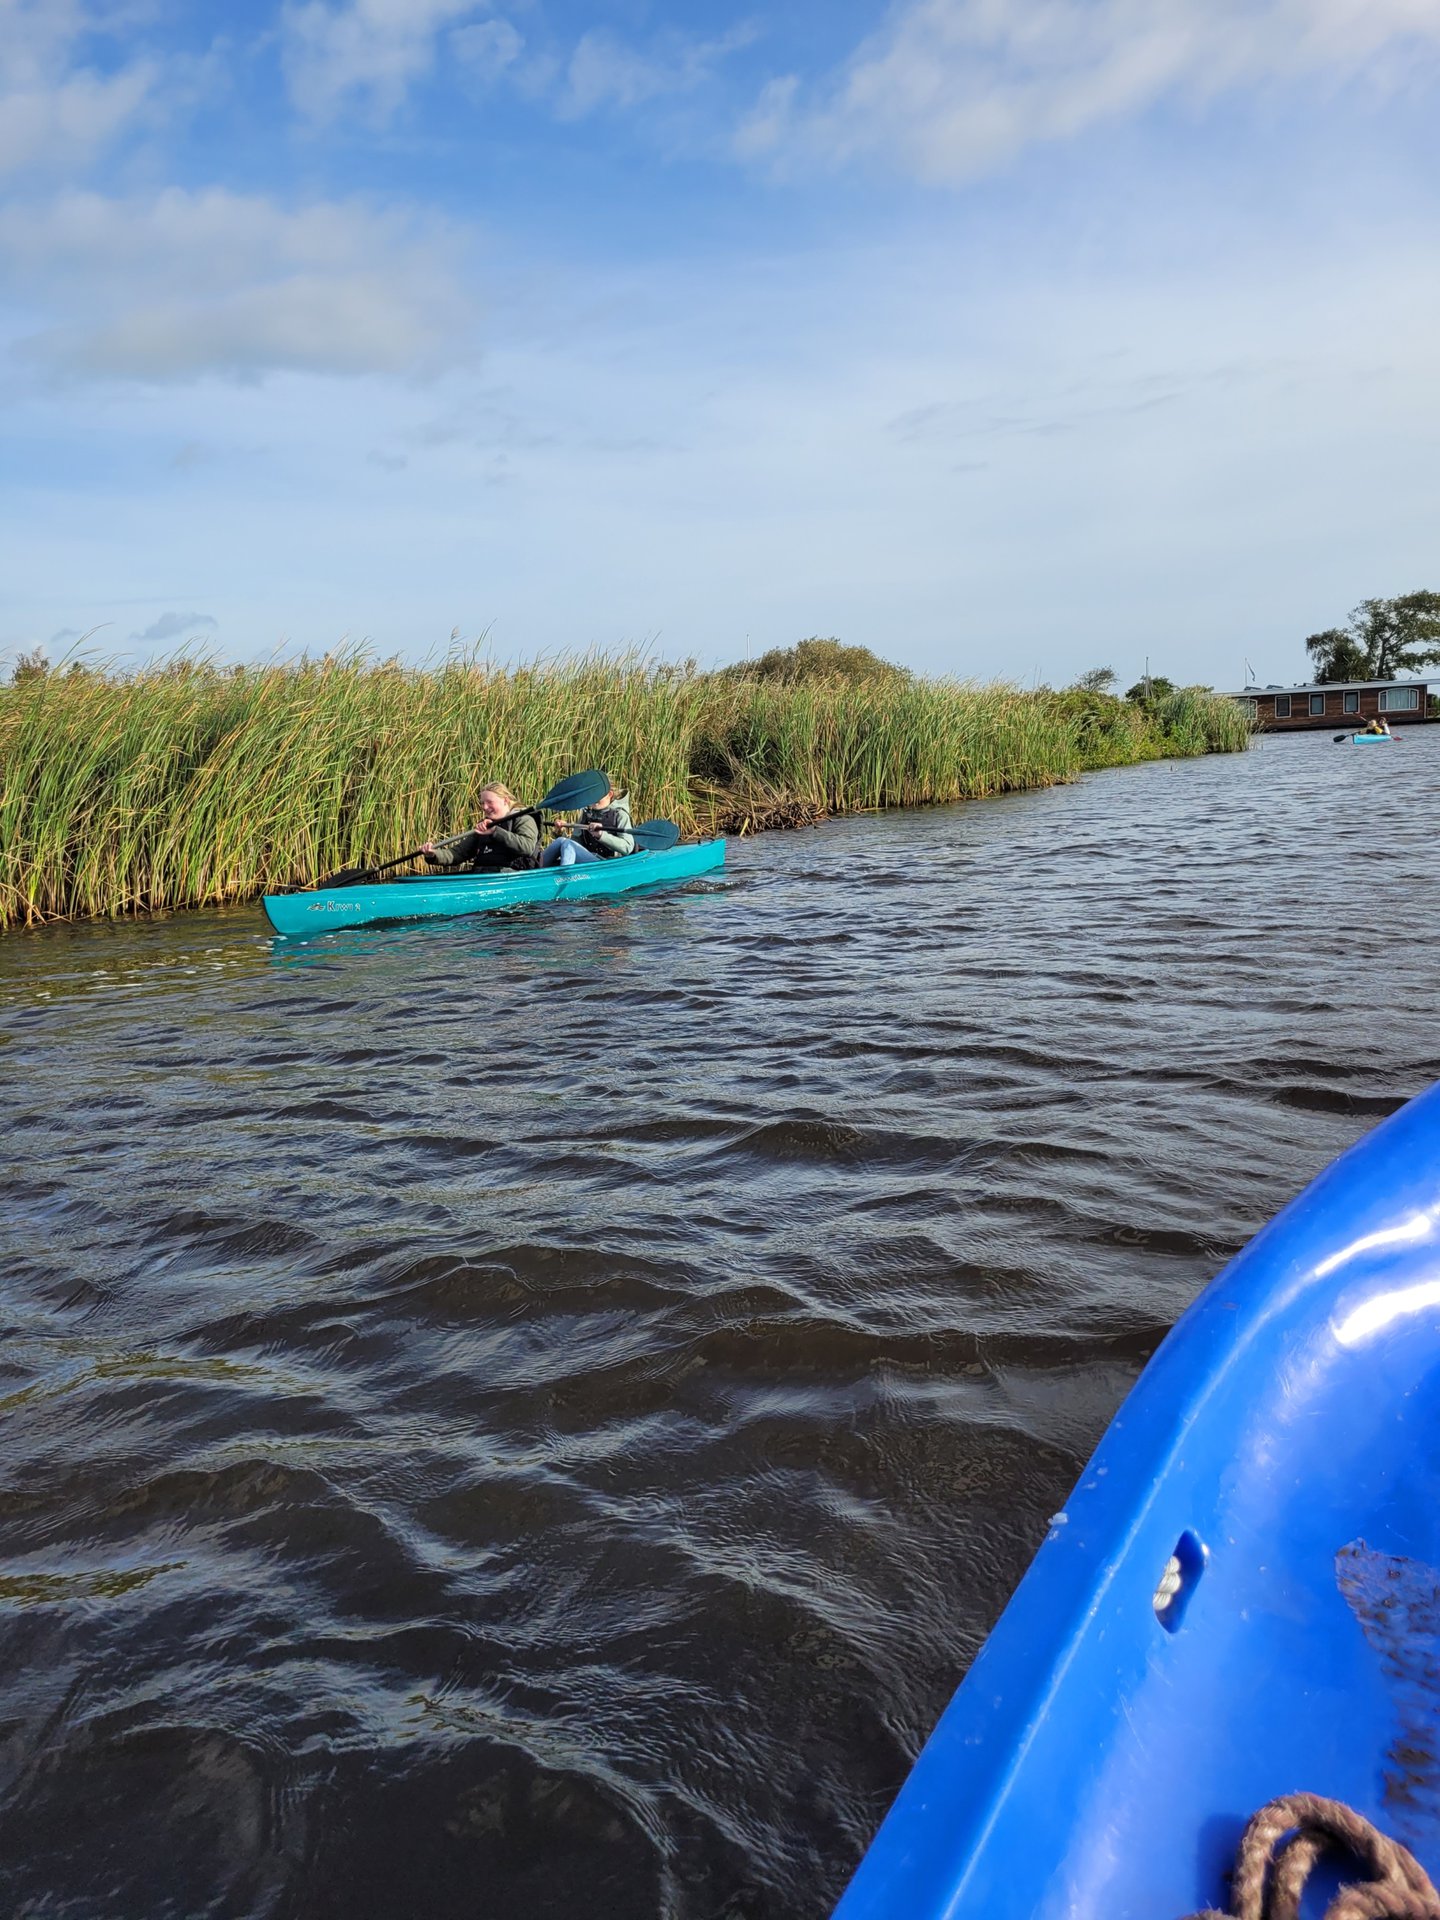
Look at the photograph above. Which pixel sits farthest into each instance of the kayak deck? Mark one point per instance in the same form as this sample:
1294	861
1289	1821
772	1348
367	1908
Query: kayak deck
427	896
1241	1598
1372	739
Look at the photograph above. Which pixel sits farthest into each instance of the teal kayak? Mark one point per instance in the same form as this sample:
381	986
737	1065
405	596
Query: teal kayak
1372	739
427	897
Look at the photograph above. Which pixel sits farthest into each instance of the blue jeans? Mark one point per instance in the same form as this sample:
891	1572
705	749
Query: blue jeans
566	853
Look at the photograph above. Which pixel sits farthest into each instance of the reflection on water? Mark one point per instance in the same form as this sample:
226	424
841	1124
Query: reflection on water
534	1415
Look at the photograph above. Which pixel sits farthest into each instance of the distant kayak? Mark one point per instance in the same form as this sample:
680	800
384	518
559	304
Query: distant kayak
1372	739
427	896
1240	1600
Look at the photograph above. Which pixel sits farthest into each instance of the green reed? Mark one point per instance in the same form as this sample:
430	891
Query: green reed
188	784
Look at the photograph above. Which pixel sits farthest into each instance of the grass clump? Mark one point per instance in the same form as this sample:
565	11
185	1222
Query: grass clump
1111	732
189	784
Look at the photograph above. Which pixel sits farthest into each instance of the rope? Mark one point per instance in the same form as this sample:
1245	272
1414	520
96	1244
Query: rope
1285	1839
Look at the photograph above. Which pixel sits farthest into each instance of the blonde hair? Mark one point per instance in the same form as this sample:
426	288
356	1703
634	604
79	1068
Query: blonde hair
498	786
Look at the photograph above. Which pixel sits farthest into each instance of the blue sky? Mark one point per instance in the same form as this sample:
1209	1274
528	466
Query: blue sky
1007	337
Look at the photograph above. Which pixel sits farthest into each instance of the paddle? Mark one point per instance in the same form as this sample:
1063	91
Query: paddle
576	790
347	876
655	836
580	790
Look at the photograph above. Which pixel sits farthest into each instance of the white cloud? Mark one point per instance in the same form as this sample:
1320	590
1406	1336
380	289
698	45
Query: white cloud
170	626
952	88
55	114
375	48
604	72
189	284
378	50
815	423
486	49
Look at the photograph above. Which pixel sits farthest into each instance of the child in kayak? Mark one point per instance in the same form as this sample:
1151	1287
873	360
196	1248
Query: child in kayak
601	833
505	839
1376	724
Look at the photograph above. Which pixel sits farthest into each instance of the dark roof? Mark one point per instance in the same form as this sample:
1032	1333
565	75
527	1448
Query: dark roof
1325	686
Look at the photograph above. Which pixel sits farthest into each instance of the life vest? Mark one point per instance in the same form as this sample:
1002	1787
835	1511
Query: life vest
604	820
499	860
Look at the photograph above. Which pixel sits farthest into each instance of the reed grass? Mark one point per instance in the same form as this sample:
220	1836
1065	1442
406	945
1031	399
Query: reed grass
187	784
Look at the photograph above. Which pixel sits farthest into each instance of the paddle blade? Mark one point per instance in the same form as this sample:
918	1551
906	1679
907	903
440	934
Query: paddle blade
655	836
579	790
346	877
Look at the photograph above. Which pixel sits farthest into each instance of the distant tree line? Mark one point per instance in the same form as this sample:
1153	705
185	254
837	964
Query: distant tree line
1146	692
814	659
1383	639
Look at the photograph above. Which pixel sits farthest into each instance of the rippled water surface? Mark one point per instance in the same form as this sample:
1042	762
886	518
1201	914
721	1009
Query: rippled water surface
533	1416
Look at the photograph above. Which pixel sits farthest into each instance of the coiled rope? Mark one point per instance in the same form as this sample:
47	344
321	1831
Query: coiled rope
1285	1839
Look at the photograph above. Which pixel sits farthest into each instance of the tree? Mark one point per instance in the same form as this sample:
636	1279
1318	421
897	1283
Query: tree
817	659
1400	635
1382	640
1095	680
1338	655
1154	687
31	666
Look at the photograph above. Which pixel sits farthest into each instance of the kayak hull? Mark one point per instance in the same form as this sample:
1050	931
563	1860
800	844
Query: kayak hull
1372	739
1101	1757
427	897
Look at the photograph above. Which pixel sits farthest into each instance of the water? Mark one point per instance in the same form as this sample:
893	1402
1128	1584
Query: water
533	1416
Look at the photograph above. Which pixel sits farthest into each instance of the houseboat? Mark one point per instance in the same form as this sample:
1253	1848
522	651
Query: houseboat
1337	703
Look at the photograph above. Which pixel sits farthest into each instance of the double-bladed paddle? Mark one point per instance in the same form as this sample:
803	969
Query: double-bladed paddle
577	790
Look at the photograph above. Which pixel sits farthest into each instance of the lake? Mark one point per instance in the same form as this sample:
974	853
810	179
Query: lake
534	1415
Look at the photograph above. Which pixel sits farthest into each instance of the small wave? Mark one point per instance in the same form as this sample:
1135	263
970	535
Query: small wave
537	1417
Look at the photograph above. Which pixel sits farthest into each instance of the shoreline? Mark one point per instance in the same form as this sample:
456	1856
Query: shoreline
190	786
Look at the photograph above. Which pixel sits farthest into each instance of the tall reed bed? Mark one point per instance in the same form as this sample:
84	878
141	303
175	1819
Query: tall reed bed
186	784
891	743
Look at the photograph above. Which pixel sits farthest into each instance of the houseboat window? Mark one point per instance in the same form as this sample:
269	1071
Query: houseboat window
1399	699
1317	703
1352	703
1282	706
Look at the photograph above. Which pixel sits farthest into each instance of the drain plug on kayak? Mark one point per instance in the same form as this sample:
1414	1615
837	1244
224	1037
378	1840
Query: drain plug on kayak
1179	1580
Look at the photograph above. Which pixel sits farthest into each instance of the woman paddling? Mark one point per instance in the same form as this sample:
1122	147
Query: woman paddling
601	833
505	839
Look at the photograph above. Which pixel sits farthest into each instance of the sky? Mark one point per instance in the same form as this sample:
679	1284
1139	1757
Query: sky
1009	338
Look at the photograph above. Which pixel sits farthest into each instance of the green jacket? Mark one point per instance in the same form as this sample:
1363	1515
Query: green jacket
511	845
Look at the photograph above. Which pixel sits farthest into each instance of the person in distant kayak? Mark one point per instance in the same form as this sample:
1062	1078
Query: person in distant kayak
601	833
505	839
1376	724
